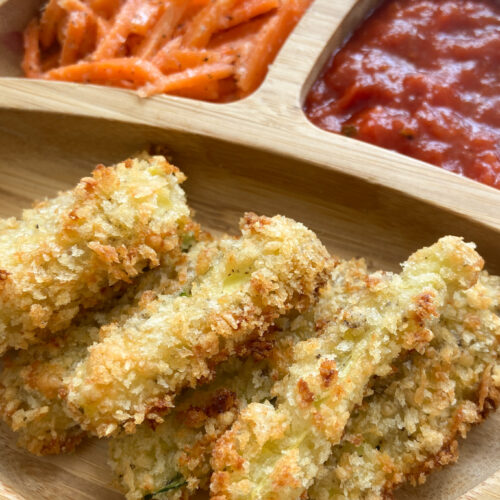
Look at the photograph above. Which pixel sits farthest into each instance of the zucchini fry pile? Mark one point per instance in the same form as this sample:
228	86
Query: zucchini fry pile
137	368
409	422
250	367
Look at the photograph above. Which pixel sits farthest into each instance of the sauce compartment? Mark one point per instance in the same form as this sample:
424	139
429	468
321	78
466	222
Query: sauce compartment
420	78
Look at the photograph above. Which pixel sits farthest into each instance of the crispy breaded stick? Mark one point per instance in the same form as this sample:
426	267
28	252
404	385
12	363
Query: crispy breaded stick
409	424
31	382
276	452
67	253
175	456
137	369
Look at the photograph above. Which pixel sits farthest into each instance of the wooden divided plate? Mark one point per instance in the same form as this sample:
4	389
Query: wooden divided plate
259	154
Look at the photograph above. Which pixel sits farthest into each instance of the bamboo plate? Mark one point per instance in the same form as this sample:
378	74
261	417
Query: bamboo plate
257	154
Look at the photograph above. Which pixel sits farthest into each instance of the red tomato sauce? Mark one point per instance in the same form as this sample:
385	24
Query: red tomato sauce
421	77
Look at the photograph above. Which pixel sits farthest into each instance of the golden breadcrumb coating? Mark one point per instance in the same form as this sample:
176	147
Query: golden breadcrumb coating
175	455
275	452
137	368
178	451
70	252
31	383
409	423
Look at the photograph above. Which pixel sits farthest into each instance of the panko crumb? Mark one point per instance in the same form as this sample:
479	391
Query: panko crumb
275	451
32	389
409	424
77	250
180	449
136	370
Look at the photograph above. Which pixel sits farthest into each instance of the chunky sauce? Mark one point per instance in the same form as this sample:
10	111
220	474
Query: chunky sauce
420	77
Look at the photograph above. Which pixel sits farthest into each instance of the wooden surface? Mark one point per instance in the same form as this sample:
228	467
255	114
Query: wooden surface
258	154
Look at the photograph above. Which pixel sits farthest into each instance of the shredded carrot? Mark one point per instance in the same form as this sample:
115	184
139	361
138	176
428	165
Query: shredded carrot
248	10
252	68
205	22
75	33
31	61
116	36
163	30
129	72
178	60
188	78
215	50
52	14
207	92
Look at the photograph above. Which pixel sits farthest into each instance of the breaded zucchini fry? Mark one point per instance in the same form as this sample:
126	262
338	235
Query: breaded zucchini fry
136	370
31	382
409	424
175	455
276	452
67	253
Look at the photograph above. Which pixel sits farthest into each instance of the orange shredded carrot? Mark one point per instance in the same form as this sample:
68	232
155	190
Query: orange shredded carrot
31	61
178	60
163	29
252	69
129	72
75	33
248	10
117	34
93	19
207	92
215	50
52	14
205	23
105	8
188	78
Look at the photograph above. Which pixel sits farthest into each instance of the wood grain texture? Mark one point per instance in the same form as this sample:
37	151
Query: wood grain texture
258	154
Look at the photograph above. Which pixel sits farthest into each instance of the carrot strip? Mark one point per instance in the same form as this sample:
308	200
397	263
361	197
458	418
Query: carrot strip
145	17
192	10
172	45
163	29
116	36
248	10
205	23
207	92
252	69
129	72
238	36
31	61
93	18
105	8
52	14
75	32
191	77
178	60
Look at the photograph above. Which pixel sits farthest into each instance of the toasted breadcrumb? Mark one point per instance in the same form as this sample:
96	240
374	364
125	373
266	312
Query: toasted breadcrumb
275	452
409	424
182	445
137	368
70	252
32	392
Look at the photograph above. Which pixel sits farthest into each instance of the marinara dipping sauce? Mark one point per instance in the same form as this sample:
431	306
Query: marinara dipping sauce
421	77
